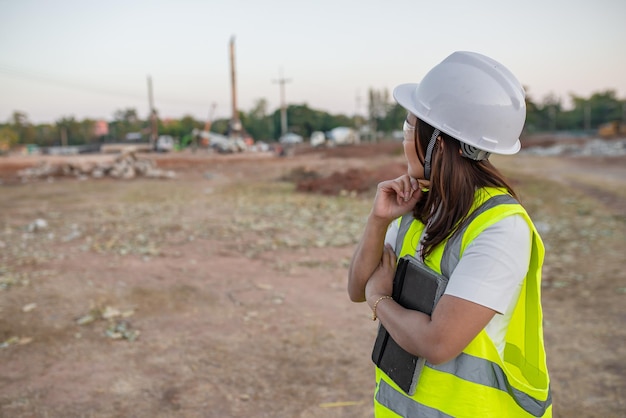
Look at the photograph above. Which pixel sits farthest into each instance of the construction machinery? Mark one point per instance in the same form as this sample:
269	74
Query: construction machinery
612	130
220	143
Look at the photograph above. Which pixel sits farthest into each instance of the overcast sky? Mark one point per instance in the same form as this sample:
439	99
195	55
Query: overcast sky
87	58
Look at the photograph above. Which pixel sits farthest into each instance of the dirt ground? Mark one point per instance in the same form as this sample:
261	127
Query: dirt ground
222	293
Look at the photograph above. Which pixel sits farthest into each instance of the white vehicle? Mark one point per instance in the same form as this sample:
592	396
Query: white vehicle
220	143
317	138
165	143
290	138
343	135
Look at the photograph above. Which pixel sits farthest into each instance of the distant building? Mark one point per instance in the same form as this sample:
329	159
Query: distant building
100	128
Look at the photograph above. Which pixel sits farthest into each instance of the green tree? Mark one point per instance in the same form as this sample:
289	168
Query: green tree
394	119
532	114
257	123
220	126
170	127
46	134
378	106
601	107
302	119
188	124
549	112
69	131
73	132
8	138
25	130
125	121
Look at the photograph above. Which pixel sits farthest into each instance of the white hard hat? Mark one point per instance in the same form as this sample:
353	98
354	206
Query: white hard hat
472	98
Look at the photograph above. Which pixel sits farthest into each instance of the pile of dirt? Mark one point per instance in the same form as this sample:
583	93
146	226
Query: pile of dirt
362	150
353	181
349	180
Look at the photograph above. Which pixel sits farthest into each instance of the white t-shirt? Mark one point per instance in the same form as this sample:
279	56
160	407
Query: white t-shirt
491	271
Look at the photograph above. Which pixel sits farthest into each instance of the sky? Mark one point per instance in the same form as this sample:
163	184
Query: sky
88	59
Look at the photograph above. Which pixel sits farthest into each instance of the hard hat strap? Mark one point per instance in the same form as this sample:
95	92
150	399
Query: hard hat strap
473	153
429	153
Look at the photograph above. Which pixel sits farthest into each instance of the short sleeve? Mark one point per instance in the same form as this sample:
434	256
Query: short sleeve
493	265
392	233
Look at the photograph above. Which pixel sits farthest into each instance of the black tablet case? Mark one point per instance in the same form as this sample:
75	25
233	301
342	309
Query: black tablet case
416	287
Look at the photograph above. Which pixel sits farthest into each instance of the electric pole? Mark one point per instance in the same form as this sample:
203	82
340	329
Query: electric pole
153	119
552	115
64	136
357	115
283	105
587	116
235	124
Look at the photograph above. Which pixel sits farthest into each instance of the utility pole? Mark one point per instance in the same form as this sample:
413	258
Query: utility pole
153	118
283	104
209	120
64	136
235	124
357	115
552	115
587	116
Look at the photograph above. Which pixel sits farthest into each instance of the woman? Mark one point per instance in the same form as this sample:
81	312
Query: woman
483	344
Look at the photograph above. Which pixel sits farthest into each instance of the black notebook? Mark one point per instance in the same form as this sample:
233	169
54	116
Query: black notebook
415	286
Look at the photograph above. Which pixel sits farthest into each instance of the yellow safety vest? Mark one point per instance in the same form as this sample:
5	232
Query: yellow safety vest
478	382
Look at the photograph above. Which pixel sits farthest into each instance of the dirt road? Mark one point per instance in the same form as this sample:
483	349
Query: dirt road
221	293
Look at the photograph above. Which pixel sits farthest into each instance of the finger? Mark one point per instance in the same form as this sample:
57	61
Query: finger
396	188
393	187
400	199
404	186
411	187
407	188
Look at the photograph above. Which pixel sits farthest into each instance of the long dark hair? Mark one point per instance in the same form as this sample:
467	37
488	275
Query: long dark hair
453	182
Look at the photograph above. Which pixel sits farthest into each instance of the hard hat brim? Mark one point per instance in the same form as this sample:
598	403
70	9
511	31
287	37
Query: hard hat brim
405	95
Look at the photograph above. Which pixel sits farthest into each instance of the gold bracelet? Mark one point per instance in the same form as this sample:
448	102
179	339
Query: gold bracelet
374	317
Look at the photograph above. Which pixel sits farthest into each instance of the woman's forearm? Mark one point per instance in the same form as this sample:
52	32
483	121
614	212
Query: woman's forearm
454	324
366	257
410	329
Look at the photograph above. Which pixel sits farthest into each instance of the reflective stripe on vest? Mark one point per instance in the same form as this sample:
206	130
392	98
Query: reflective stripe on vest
473	365
470	368
404	406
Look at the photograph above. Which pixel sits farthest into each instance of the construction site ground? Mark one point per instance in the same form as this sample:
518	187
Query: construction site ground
222	292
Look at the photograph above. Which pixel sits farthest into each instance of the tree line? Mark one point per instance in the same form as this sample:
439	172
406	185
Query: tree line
383	117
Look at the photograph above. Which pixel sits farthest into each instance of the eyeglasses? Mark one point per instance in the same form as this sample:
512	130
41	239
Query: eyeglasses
409	136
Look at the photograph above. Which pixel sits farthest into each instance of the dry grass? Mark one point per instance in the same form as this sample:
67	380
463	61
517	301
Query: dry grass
237	286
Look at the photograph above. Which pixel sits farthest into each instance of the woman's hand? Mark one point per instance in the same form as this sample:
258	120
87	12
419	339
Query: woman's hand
381	281
396	197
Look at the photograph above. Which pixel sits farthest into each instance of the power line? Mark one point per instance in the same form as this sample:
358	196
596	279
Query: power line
55	80
52	80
